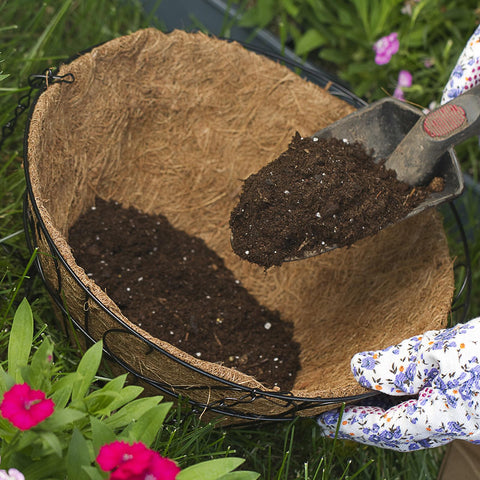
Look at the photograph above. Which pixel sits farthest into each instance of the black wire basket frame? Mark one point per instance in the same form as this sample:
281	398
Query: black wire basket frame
231	405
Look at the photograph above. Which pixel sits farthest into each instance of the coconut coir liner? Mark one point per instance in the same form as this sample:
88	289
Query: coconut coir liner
173	124
318	195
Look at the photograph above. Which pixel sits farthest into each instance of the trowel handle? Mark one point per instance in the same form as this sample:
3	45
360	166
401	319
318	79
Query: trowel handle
415	157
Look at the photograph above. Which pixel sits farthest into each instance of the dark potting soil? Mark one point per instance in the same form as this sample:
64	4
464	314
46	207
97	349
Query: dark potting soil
318	194
177	289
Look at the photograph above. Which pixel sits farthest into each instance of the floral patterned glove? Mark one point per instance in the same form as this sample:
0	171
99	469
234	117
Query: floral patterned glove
466	73
438	371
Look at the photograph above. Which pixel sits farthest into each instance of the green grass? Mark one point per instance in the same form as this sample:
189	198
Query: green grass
34	36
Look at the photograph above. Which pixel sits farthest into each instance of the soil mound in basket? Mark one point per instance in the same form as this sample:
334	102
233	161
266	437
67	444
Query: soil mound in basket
317	195
173	286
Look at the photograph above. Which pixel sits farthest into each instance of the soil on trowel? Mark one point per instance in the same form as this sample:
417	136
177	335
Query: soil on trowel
319	194
174	287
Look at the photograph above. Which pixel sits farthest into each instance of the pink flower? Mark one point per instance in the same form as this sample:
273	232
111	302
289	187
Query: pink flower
12	474
385	47
135	462
162	468
404	80
25	407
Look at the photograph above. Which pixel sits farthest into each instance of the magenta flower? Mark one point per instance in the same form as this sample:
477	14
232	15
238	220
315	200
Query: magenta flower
404	80
25	407
135	462
385	48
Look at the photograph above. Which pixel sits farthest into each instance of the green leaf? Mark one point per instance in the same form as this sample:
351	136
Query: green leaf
363	13
62	418
101	434
361	67
52	441
290	7
20	343
210	470
347	20
126	395
25	440
333	55
61	397
245	475
110	398
260	15
416	11
43	357
145	429
38	373
323	12
101	403
93	473
78	456
116	384
6	381
48	467
62	389
309	41
7	430
131	412
87	369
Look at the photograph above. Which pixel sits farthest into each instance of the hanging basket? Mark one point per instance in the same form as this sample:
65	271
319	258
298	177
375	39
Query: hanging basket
171	124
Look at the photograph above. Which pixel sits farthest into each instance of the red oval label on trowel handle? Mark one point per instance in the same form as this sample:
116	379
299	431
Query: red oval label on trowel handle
444	121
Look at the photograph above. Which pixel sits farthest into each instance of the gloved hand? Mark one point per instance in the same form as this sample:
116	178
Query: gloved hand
466	73
440	370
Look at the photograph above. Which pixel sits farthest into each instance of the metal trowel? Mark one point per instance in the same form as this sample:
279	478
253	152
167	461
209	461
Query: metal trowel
417	146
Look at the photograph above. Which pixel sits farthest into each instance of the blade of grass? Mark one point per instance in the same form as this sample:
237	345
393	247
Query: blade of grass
17	287
329	462
9	237
288	448
44	37
362	469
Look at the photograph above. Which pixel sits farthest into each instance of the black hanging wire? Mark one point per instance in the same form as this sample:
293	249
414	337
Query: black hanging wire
462	298
35	82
